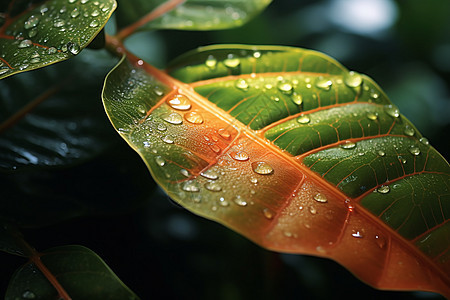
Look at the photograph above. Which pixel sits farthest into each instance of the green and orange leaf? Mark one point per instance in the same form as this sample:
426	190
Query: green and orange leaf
36	35
293	151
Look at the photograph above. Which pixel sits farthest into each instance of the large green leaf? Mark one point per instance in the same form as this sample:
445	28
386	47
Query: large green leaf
190	14
65	125
292	150
73	271
36	35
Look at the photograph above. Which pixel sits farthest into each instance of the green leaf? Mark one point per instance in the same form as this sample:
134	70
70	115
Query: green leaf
52	117
77	270
36	35
290	149
191	14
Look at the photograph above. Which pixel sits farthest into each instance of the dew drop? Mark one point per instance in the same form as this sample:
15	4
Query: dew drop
184	172
287	234
75	13
94	24
173	118
256	54
268	213
357	234
319	197
160	161
409	131
384	189
324	84
210	174
380	241
353	79
194	117
215	148
224	133
303	119
262	168
297	99
381	153
52	50
402	159
31	22
424	141
231	61
213	187
414	150
223	202
348	145
240	156
95	13
59	23
167	139
190	186
28	295
25	44
254	180
285	87
179	102
372	116
33	32
72	1
240	201
3	71
211	62
241	84
73	48
312	210
392	110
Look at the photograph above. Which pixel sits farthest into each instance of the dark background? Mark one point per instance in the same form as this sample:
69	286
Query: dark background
163	251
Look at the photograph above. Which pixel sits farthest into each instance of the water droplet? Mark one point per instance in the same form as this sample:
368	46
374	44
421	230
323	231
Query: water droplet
392	110
424	141
190	186
297	99
304	119
321	249
184	172
414	150
167	139
213	187
73	48
262	168
357	234
52	50
173	118
402	159
3	71
319	197
256	54
95	13
179	102
254	180
31	22
94	23
223	202
268	213
409	131
231	61
348	145
194	117
384	189
241	84
381	153
75	13
374	95
312	210
353	79
28	295
224	133
210	174
211	62
160	161
239	201
58	23
72	1
372	116
215	148
287	234
161	127
32	32
381	241
285	87
25	44
324	84
241	156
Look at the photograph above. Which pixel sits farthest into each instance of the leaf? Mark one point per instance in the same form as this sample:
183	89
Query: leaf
51	117
290	149
75	270
36	35
191	14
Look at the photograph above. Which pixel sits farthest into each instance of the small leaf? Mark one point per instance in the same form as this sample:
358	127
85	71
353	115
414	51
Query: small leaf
75	269
52	31
295	152
192	14
65	126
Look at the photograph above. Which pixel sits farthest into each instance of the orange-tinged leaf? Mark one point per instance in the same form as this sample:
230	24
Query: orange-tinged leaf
290	149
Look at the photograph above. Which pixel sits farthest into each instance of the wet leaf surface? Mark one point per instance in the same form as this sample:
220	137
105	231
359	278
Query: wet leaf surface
293	151
34	35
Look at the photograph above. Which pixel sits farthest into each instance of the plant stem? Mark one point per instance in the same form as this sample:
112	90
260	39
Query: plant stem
157	12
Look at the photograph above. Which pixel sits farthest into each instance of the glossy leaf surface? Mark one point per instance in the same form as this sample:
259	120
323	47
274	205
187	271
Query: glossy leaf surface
292	150
36	35
191	14
77	270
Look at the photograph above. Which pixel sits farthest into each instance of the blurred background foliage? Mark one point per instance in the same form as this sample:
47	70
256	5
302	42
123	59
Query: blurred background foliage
162	251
